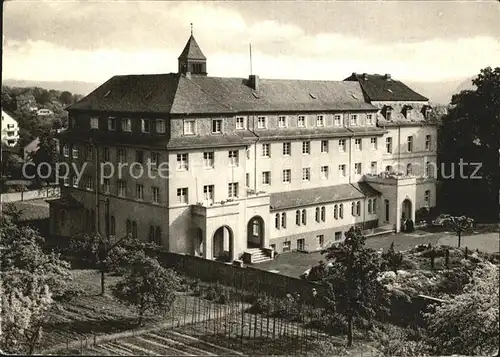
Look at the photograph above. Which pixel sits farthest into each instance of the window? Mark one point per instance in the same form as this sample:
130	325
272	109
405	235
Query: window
342	145
233	190
410	143
122	155
182	195
301	121
373	143
336	211
157	236
306	147
182	162
373	167
301	244
338	236
320	120
94	123
134	229
354	119
208	193
247	180
374	206
105	154
388	145
160	126
233	158
369	119
89	183
75	181
427	198
317	214
306	174
88	153
321	240
139	192
357	144
283	220
247	151
208	160
287	173
304	217
388	114
122	188
357	168
286	246
428	169
297	217
155	194
266	178
155	158
145	126
66	181
112	226
370	206
282	122
337	120
353	209
324	172
65	151
261	122
323	214
106	185
277	221
129	227
324	146
216	126
342	170
240	123
428	145
111	123
358	208
126	125
287	149
188	127
388	168
409	169
139	156
341	210
266	150
386	204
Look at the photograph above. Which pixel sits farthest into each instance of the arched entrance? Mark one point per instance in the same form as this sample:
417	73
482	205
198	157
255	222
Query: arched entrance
198	242
222	244
255	232
406	210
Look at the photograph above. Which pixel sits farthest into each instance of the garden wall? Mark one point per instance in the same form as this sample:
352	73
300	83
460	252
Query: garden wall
245	278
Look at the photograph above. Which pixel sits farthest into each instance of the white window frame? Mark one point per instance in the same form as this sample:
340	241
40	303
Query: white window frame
353	119
306	174
240	123
287	149
75	181
120	157
75	153
358	144
342	145
209	193
266	150
155	194
127	125
94	123
66	150
324	172
234	158
145	126
182	195
182	162
261	122
320	120
301	121
160	126
266	177
409	143
342	170
233	189
388	145
306	148
139	192
357	168
217	126
287	176
208	159
374	143
189	127
428	142
373	167
369	119
324	146
337	120
282	121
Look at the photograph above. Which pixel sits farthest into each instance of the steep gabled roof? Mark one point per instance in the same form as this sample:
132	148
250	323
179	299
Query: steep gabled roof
380	88
198	94
192	50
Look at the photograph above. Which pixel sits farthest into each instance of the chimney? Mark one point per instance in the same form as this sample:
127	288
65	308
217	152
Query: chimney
253	82
365	76
387	77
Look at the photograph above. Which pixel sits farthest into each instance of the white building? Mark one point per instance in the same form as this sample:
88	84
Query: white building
10	130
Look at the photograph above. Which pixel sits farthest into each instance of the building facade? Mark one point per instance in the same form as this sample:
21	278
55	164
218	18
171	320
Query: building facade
232	168
10	130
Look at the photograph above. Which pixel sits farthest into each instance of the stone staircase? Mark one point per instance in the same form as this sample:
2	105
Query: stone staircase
257	255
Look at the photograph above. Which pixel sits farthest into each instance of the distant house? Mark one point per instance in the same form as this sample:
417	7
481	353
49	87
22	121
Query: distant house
27	101
44	112
32	147
10	130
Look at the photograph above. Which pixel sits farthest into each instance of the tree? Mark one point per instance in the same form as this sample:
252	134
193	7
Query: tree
107	253
148	287
351	284
66	97
469	134
393	259
29	281
468	324
47	153
458	224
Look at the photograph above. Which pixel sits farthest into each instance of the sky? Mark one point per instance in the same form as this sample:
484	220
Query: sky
424	41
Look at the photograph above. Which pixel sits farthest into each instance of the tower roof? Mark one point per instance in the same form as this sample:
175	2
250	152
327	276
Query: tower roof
192	50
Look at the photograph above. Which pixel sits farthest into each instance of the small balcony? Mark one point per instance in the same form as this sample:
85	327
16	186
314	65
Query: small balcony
212	209
391	178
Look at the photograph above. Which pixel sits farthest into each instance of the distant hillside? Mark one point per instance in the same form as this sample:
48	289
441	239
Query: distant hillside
466	85
75	87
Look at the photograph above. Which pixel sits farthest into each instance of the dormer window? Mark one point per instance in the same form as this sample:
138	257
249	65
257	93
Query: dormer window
145	125
94	123
189	127
408	112
388	113
282	122
126	125
426	111
216	126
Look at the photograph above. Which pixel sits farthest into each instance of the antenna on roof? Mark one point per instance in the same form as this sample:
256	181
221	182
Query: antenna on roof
191	29
250	58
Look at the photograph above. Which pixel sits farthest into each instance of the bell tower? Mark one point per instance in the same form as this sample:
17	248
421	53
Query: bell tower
192	59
